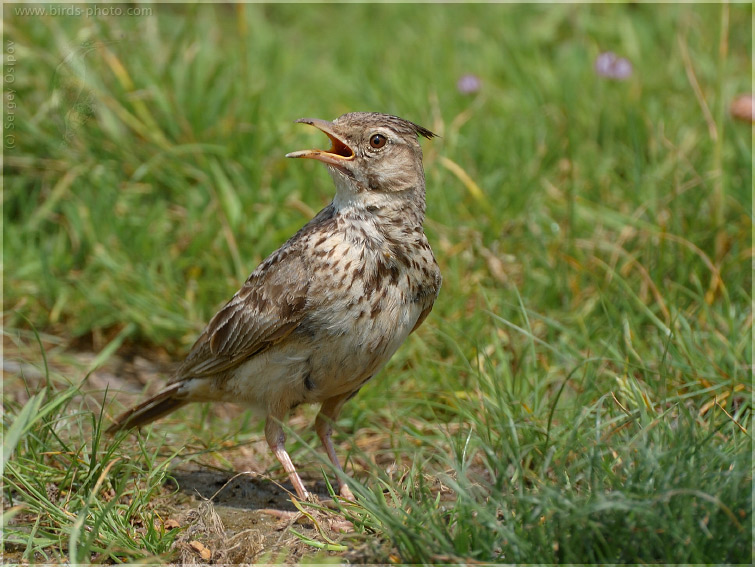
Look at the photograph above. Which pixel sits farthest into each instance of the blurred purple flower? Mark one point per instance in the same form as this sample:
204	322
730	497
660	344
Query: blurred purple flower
612	66
468	84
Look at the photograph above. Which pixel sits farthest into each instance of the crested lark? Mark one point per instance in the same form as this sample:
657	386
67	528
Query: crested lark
323	313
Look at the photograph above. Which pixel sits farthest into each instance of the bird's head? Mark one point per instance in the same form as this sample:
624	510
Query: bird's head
371	153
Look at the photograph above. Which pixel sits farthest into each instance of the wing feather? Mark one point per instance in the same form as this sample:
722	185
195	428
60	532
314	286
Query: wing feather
256	318
269	306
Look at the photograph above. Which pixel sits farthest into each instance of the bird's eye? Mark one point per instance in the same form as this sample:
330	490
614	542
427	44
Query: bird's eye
377	141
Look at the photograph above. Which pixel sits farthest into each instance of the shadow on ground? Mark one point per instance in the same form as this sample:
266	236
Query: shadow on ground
243	518
241	490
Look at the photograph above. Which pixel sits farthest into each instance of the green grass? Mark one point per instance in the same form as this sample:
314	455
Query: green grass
77	495
582	389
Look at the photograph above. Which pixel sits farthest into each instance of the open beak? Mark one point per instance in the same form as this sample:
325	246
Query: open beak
339	151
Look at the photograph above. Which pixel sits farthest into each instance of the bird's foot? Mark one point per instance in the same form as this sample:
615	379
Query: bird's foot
311	498
346	493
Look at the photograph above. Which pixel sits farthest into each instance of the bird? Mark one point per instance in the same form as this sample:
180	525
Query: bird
320	316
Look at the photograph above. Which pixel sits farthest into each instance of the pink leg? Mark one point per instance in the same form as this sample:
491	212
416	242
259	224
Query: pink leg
276	439
324	427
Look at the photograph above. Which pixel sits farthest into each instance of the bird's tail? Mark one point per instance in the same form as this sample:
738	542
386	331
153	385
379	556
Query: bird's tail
154	408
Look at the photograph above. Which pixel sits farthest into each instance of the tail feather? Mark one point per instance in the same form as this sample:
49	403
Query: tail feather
154	408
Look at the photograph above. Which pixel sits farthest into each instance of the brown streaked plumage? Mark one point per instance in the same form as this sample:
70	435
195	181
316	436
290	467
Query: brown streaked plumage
323	313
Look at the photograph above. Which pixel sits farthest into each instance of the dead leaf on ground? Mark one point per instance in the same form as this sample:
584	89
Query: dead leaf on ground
201	549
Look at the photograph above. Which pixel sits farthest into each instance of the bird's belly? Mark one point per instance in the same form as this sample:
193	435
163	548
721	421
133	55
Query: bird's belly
331	356
355	346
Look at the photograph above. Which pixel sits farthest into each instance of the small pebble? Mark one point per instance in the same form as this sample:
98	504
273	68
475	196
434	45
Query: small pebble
743	108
